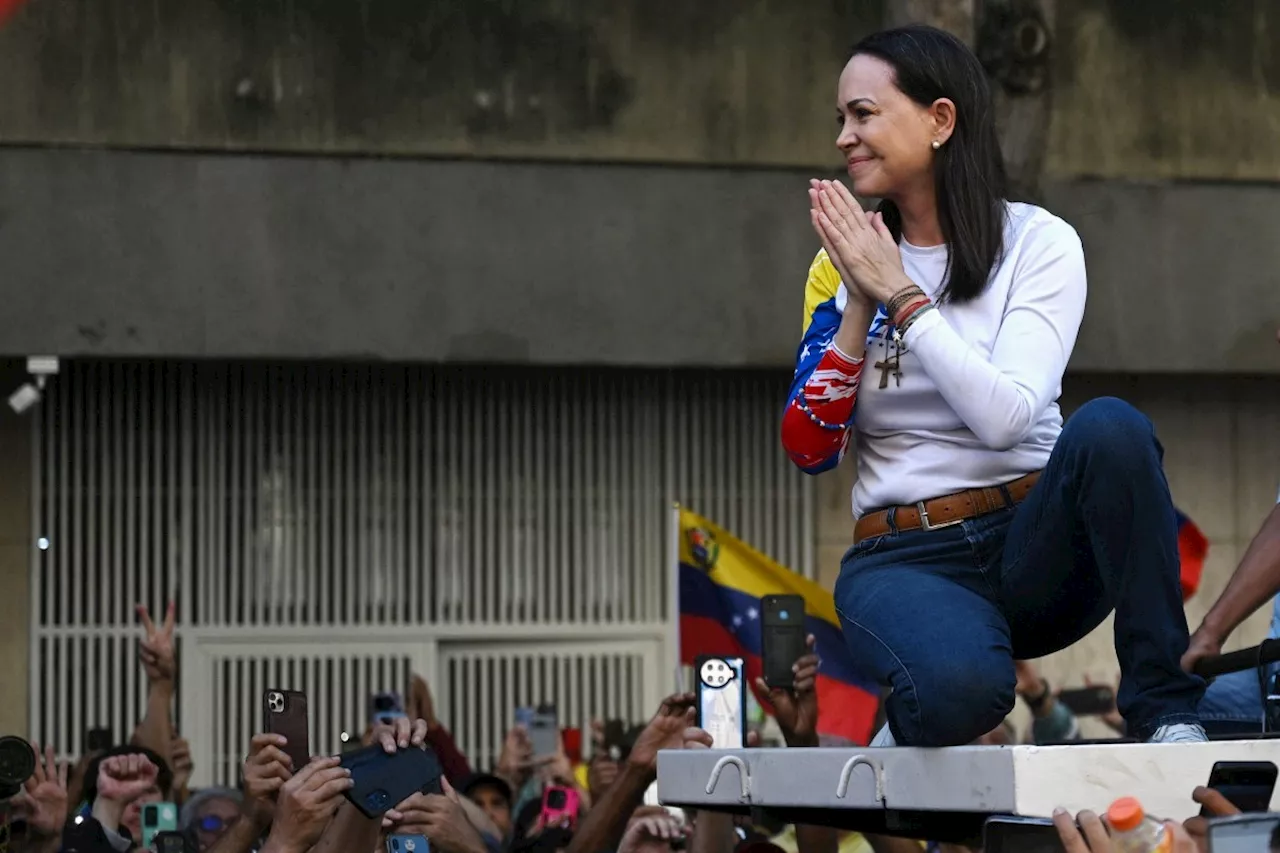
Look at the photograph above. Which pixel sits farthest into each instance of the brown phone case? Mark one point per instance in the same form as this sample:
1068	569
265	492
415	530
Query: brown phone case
285	713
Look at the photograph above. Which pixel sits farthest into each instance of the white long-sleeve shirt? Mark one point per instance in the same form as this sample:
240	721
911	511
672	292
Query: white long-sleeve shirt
976	402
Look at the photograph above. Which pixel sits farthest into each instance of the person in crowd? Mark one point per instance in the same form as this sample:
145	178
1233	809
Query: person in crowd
118	785
41	805
987	530
494	797
207	815
1234	703
1051	721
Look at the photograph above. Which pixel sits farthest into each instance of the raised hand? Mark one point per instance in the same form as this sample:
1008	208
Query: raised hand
400	733
156	650
306	805
180	758
43	799
516	757
266	770
1216	805
665	730
652	834
796	710
124	778
442	819
859	243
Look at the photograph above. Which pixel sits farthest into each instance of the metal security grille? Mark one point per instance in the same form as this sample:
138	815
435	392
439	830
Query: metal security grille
606	681
337	685
437	503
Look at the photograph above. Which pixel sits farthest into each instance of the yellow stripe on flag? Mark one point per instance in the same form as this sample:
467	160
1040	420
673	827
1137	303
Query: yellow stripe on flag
737	565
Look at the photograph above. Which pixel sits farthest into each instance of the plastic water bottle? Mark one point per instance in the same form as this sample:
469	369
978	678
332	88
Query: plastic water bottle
1133	832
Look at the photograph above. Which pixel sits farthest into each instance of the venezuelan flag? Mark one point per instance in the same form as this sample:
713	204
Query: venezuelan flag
1193	547
722	580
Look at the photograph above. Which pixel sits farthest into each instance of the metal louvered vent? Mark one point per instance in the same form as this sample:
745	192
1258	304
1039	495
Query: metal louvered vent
427	506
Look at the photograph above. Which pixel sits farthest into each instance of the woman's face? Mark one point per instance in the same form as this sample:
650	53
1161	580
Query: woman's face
213	819
886	138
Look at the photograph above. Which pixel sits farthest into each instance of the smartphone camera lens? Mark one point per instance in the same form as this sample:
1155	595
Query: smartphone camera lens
555	799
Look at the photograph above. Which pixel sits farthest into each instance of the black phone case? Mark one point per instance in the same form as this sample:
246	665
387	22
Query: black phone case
615	740
97	739
381	781
1088	701
782	640
284	712
1248	785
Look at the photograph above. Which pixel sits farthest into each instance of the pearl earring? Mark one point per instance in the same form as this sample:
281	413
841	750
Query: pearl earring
936	145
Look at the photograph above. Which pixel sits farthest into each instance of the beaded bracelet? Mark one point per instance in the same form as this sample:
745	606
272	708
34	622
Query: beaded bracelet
901	298
915	315
804	407
910	308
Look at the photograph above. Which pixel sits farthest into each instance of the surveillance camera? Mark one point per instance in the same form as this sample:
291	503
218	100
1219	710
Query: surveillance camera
42	365
24	398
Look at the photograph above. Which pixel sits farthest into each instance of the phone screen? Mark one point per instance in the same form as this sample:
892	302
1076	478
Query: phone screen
1244	834
722	701
543	728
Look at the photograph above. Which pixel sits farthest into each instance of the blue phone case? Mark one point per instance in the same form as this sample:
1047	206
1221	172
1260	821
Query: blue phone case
381	781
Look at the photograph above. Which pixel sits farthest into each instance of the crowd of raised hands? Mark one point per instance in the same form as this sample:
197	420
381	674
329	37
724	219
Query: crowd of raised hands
97	804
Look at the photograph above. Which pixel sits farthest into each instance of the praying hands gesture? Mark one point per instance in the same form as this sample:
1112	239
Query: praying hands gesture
858	243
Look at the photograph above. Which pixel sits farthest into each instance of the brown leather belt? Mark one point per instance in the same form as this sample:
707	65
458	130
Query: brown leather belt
947	510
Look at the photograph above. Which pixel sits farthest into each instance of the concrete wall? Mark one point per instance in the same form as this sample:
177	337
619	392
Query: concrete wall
116	253
1166	89
1141	88
723	81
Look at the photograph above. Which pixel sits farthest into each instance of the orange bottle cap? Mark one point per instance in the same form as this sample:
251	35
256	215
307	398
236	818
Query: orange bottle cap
1125	814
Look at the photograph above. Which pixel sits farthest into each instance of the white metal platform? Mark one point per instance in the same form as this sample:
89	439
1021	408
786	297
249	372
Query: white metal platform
977	780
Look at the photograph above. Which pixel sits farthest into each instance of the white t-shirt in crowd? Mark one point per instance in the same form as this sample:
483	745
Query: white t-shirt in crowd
976	402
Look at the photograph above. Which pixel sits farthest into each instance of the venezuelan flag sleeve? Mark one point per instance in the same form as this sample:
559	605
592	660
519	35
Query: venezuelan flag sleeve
722	580
824	387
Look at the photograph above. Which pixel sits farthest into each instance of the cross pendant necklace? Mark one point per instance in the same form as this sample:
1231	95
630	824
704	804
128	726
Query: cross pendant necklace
891	364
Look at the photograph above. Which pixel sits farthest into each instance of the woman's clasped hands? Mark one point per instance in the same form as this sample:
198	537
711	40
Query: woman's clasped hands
860	245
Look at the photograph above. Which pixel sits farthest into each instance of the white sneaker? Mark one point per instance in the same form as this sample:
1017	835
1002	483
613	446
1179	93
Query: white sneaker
1180	733
884	737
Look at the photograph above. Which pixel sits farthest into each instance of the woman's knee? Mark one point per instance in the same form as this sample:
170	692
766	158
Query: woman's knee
1110	431
948	705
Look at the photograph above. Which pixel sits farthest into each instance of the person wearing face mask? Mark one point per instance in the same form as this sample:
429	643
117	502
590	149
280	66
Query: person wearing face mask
986	530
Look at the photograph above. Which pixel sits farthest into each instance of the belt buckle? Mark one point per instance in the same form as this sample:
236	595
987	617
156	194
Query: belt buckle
927	525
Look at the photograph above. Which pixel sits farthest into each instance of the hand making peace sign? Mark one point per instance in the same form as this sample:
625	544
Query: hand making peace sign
156	650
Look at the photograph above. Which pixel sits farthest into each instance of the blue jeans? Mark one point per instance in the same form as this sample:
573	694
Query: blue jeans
1233	703
940	616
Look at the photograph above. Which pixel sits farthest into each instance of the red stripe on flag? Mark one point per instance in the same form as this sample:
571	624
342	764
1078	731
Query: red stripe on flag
845	711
